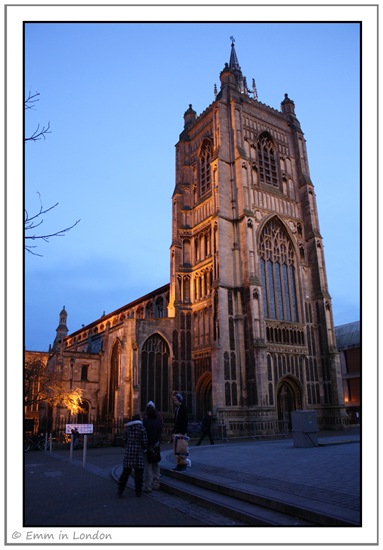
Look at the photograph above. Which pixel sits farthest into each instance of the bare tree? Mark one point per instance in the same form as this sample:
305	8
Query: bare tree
39	133
33	221
43	386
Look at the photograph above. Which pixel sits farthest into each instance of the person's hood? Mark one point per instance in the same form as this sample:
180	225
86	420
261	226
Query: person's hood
132	423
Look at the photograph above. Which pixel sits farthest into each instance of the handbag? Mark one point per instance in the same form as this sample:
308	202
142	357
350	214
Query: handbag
153	454
181	444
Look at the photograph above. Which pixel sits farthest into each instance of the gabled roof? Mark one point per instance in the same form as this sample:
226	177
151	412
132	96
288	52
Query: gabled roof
348	336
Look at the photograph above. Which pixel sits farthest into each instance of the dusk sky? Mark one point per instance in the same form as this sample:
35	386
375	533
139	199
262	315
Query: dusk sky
114	95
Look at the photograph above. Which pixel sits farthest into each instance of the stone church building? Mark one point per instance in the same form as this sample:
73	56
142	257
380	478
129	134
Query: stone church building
245	326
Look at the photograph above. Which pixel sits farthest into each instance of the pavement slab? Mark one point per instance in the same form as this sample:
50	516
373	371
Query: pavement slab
59	492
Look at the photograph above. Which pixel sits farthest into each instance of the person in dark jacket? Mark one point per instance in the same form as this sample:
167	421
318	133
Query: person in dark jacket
153	426
180	415
180	439
134	457
206	429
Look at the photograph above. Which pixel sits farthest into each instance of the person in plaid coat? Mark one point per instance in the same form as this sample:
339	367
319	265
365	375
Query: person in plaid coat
136	443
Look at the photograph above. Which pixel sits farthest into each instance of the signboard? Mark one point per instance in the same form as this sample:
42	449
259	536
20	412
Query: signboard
194	427
82	428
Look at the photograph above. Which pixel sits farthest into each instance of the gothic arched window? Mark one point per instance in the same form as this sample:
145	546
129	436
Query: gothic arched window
140	313
205	172
267	165
113	377
278	272
149	310
159	307
155	373
83	417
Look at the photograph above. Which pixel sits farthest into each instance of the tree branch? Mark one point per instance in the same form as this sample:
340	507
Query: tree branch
38	134
30	223
47	237
29	103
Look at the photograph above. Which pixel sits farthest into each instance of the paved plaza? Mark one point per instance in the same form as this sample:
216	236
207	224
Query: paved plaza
63	493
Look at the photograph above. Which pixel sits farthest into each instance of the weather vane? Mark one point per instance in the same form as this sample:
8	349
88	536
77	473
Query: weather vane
232	39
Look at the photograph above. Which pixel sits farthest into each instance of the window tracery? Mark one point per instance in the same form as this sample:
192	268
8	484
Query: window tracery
231	396
155	372
278	272
205	172
159	307
267	165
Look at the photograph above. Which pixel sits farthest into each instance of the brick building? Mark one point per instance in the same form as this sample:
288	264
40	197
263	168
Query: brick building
348	344
245	326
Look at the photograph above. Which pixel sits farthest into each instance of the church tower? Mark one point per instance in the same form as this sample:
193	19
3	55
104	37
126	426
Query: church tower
253	333
62	329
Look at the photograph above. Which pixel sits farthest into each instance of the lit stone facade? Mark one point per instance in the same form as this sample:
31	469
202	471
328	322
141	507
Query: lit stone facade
35	363
245	326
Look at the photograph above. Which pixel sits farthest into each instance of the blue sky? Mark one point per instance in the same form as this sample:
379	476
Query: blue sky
115	95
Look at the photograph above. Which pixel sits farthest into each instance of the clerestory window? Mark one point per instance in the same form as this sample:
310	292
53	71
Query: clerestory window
278	272
267	165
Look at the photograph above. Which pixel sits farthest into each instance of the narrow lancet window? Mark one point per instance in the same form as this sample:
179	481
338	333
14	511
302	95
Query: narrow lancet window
267	165
205	173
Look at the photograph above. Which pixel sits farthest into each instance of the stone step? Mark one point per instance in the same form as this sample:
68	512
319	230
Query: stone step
261	507
231	506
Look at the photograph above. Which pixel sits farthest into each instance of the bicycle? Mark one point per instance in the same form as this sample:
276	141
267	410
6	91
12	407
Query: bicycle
35	444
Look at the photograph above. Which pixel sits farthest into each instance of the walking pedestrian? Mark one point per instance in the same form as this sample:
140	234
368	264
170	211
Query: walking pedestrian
153	426
76	437
134	458
180	439
206	429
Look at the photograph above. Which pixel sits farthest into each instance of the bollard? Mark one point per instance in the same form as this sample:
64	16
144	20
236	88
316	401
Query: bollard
84	449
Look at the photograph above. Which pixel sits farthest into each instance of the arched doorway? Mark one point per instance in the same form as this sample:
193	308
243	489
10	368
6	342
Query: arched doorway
204	401
289	398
